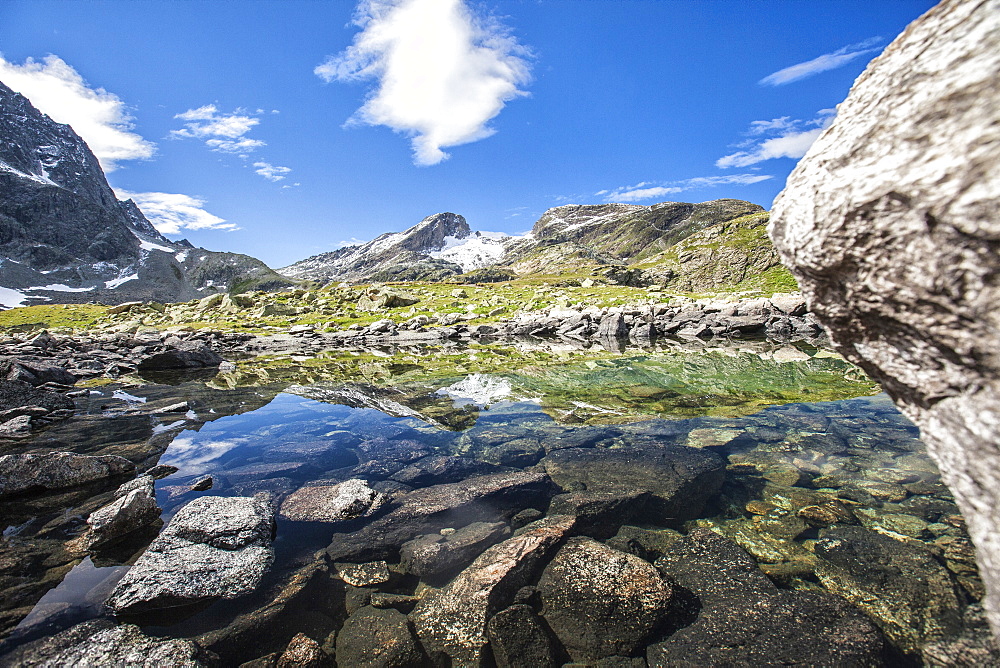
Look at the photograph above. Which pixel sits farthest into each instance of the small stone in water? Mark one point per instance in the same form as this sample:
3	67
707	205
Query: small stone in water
364	575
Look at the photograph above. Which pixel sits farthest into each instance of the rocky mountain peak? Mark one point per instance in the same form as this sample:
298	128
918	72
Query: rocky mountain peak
65	237
431	233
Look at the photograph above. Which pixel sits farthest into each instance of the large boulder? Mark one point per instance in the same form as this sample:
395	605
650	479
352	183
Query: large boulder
181	355
889	225
900	585
27	473
601	602
452	622
735	616
378	638
101	643
214	547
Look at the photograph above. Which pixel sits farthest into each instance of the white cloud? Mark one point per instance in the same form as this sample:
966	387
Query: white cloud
172	212
271	172
222	132
828	61
100	117
789	139
646	190
442	71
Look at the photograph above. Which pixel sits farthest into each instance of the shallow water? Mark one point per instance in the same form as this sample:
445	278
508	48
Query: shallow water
275	425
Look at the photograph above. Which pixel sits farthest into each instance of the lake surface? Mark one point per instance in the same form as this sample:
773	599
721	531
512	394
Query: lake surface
807	444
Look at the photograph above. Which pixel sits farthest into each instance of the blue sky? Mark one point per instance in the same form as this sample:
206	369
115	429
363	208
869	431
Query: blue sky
283	129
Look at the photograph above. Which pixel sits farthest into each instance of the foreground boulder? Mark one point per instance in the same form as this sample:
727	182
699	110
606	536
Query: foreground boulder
28	473
738	617
101	643
214	547
900	585
601	602
377	638
452	622
889	225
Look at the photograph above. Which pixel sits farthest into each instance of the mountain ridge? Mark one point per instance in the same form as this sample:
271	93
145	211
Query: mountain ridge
65	236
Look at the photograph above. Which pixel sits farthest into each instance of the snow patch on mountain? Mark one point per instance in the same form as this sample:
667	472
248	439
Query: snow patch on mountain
59	287
114	283
478	250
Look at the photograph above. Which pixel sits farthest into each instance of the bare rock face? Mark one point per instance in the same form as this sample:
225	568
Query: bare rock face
890	226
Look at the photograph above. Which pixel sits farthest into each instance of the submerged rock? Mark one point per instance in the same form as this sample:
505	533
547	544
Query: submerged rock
900	585
679	480
27	473
433	554
452	621
378	638
889	225
484	498
214	547
333	503
519	638
601	602
736	616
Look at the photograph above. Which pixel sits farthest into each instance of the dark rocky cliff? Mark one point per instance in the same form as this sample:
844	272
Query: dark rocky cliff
65	237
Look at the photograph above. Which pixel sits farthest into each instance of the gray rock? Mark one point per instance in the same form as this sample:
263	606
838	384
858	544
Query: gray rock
34	372
344	501
214	547
135	507
377	638
601	602
900	585
21	474
612	327
887	224
17	394
433	554
183	355
100	643
519	638
452	622
732	615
